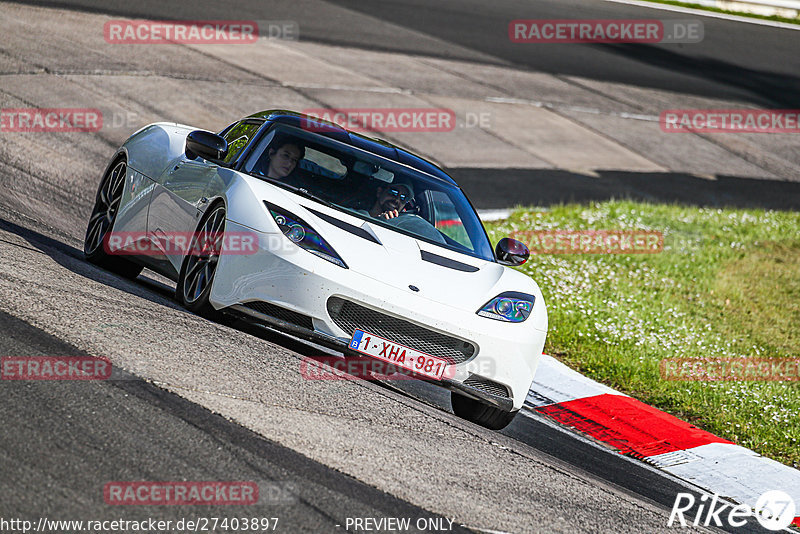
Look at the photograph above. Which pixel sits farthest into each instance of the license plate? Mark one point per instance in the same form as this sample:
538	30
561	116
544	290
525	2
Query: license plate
398	355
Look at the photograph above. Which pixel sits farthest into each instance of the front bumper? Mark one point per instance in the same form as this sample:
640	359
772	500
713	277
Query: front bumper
295	280
498	401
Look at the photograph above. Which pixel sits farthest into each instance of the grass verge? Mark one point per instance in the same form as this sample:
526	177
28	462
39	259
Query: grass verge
774	18
727	284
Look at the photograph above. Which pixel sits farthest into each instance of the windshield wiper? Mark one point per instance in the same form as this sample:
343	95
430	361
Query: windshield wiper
308	194
298	190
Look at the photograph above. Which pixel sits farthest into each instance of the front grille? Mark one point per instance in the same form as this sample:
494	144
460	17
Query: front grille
289	316
348	316
487	386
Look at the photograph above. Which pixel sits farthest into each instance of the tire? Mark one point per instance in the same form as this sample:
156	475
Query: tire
101	223
200	264
480	413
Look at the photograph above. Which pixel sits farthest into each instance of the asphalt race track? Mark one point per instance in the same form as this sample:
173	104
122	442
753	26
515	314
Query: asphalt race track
130	428
725	64
194	400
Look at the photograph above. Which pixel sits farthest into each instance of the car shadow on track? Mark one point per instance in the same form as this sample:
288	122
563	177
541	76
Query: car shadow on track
505	188
72	259
147	285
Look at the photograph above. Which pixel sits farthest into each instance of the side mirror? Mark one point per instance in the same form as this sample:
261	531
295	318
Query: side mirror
207	145
511	252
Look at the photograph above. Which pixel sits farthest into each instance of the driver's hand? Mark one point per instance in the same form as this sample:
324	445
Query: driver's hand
391	214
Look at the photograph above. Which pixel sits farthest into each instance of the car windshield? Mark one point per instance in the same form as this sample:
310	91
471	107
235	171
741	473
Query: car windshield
379	190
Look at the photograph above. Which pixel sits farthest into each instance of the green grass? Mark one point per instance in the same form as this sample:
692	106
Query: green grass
776	18
727	284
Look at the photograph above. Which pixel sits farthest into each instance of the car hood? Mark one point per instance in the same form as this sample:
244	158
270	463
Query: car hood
401	261
409	264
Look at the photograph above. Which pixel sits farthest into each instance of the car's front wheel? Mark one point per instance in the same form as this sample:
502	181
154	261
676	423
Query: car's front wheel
200	263
101	223
480	413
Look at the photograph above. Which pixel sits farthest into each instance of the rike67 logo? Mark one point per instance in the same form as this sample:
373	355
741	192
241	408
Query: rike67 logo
775	510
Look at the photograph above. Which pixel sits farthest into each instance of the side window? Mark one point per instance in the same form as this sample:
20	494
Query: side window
447	220
323	164
238	137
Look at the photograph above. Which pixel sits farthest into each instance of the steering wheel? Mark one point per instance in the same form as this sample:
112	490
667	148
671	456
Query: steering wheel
411	207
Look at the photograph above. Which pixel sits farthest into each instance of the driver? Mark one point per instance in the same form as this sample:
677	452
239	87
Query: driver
391	199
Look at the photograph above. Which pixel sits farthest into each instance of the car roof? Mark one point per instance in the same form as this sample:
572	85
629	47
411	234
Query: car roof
370	144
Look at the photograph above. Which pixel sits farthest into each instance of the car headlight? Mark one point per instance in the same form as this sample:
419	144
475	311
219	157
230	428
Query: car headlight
511	307
301	234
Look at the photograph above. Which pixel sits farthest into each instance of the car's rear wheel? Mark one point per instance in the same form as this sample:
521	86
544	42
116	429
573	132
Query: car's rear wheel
480	413
101	223
200	263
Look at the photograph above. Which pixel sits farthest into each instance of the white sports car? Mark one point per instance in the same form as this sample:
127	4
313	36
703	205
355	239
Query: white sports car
332	236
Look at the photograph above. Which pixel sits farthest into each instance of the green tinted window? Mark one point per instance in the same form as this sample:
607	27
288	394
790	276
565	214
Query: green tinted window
238	137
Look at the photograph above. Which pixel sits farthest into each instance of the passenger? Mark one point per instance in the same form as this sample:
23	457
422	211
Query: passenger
391	199
283	157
